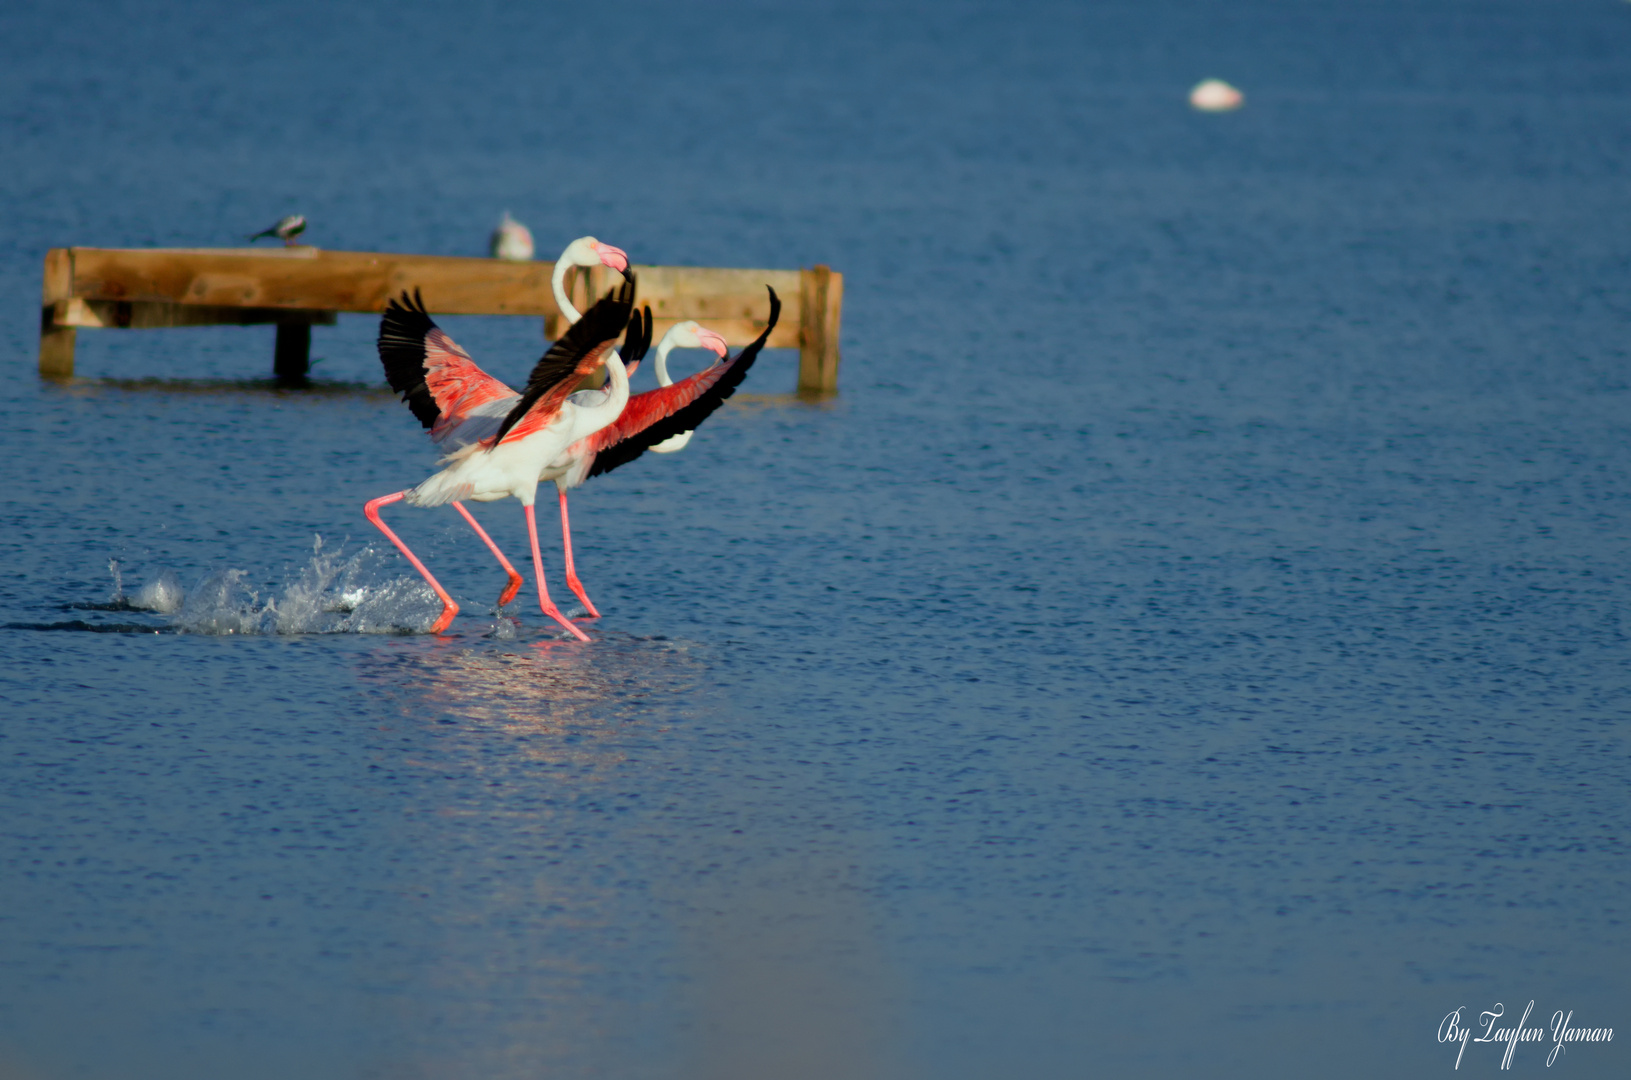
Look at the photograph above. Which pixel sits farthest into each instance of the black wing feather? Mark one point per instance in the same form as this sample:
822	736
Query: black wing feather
401	344
692	416
601	323
638	340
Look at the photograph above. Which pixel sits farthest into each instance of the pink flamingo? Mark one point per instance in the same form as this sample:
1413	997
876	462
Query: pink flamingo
485	402
502	441
660	420
685	335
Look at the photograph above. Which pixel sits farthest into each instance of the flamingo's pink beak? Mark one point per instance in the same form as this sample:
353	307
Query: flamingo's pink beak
711	340
615	258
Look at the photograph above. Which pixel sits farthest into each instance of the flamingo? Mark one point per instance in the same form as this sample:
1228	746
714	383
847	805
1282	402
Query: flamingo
585	251
286	230
685	335
511	240
502	440
655	419
689	335
477	418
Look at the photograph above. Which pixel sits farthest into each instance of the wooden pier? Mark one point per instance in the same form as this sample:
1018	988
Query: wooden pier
296	288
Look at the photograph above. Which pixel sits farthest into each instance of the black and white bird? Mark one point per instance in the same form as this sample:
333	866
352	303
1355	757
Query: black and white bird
285	230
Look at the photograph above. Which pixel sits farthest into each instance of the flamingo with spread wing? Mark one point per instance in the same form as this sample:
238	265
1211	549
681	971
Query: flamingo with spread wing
500	441
656	419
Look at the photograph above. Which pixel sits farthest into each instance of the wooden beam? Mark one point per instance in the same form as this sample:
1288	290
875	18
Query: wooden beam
137	288
151	315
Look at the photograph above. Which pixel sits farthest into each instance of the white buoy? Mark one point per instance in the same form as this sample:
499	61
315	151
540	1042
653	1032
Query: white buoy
511	240
1215	95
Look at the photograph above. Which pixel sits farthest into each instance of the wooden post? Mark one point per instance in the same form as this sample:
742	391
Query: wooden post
291	356
56	342
821	300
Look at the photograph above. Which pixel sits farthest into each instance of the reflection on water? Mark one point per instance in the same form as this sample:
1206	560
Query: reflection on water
790	980
783	970
541	687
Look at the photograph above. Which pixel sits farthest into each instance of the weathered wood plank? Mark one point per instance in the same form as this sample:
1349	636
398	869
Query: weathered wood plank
155	315
306	278
363	282
140	288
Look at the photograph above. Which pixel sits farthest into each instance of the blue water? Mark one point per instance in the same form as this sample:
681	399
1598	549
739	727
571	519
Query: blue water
1192	644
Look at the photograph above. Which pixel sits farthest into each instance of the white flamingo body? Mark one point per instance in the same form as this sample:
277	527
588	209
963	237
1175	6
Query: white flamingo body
477	473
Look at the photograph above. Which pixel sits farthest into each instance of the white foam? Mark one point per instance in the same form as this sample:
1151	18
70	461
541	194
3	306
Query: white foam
220	604
163	594
504	628
333	593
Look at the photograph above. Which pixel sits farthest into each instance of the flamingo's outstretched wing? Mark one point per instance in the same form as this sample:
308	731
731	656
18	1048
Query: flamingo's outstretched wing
667	411
436	378
578	353
638	341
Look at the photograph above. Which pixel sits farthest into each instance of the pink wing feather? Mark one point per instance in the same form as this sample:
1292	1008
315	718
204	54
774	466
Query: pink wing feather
455	381
436	378
646	409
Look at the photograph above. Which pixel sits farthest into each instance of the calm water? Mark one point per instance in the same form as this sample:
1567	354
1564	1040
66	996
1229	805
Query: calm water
1193	643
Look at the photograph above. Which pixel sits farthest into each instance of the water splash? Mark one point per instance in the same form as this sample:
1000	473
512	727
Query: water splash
220	604
333	593
163	594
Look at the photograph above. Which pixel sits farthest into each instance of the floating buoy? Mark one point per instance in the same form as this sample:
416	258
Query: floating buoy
1215	95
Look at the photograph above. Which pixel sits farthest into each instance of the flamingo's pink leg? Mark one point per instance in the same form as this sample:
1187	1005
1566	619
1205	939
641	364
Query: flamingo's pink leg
538	570
515	579
449	608
572	581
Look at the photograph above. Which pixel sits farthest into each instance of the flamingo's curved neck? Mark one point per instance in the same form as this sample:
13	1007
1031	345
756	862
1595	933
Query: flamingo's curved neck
557	281
661	363
617	394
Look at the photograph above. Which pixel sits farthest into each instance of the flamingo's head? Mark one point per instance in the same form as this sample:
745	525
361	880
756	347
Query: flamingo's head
691	335
587	251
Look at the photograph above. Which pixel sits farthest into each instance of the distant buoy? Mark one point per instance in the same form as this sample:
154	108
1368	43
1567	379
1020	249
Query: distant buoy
511	240
1215	95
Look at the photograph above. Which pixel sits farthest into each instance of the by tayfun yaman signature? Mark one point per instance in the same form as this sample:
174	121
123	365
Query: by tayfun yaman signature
1563	1032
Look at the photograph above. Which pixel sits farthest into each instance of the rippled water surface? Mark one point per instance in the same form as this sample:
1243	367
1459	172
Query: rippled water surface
1192	644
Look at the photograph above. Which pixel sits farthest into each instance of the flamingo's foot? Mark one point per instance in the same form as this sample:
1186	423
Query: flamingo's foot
511	589
576	586
555	613
446	619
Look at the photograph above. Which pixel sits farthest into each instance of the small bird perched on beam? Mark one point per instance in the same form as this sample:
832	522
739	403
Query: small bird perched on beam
285	230
511	240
